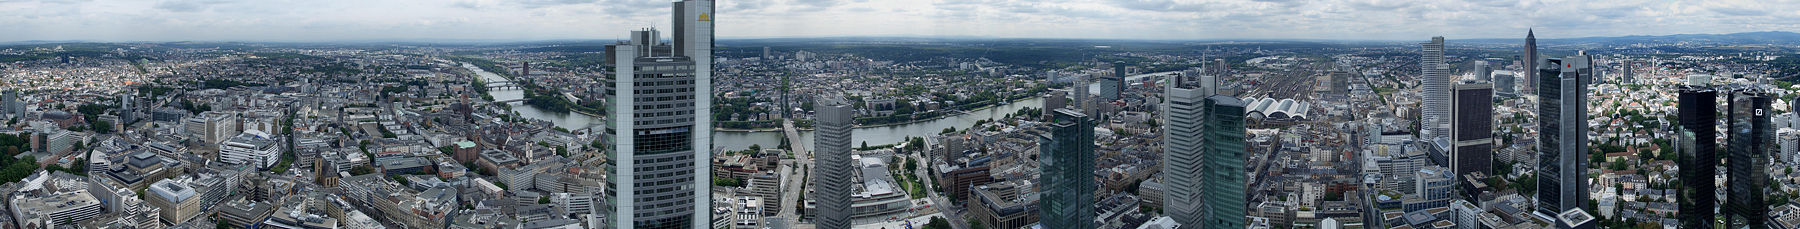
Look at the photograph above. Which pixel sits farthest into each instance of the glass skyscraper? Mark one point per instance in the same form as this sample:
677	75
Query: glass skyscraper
1223	146
1562	141
1066	195
1694	146
1752	139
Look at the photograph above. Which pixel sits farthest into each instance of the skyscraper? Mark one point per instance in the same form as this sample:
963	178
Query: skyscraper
1223	146
1473	133
9	105
1531	62
1562	144
1625	78
1505	85
1112	86
1695	143
1483	71
1752	138
1081	93
1183	155
831	181
1066	195
1436	79
660	125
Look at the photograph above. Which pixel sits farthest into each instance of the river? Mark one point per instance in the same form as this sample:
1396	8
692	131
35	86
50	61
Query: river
734	140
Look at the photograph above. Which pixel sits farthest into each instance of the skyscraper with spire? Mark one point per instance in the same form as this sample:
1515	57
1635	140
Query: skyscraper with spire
660	125
1531	60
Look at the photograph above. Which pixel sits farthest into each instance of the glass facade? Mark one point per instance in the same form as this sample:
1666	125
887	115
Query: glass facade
1066	198
1695	146
1752	137
1225	153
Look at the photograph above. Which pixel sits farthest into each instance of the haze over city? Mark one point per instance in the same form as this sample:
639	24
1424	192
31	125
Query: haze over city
492	20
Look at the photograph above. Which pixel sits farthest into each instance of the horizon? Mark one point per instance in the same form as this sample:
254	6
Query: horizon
873	38
537	20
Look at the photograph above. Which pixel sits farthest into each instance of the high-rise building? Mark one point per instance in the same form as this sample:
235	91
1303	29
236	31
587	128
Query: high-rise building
1223	148
1751	140
1112	86
831	181
11	104
1530	76
1473	134
660	99
1183	152
1436	82
1220	68
1562	141
1081	93
1340	82
1625	78
1585	65
1695	144
127	109
1066	193
765	55
1483	70
1505	84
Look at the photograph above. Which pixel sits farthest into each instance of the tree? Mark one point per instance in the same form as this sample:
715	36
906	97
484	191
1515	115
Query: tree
543	199
865	145
101	126
361	169
727	182
938	223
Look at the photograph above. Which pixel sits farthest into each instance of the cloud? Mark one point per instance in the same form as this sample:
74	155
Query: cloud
188	5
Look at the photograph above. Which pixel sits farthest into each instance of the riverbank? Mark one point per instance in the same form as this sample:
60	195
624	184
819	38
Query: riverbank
958	113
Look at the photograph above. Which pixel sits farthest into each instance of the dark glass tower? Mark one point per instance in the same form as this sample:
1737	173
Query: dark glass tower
1695	144
1473	131
1066	198
1562	144
1752	138
1223	146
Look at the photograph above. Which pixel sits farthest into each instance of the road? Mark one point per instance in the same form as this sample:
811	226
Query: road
792	175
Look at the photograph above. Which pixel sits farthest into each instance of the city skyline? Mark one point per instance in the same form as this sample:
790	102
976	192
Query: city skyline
480	20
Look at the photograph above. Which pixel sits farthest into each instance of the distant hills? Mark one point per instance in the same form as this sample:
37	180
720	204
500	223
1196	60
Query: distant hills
1747	38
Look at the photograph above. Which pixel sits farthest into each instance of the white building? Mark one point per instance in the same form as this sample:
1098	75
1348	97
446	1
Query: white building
48	210
251	147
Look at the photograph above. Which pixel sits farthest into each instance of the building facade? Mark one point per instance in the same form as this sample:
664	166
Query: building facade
1751	140
1225	154
1473	135
832	185
1066	196
1696	139
1436	81
1562	144
660	98
1183	152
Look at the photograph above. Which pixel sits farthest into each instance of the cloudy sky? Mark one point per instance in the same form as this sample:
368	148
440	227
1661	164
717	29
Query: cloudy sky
362	20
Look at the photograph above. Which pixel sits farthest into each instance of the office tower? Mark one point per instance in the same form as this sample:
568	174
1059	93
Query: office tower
1112	86
1504	84
1694	145
13	105
1220	68
127	112
1436	79
1473	134
1223	148
831	180
1483	71
1054	99
7	100
1562	141
660	95
1081	93
1626	77
765	55
1530	71
1584	64
1183	155
1066	193
1751	137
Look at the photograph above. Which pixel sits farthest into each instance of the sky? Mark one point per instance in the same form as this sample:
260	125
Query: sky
514	20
